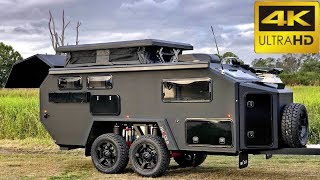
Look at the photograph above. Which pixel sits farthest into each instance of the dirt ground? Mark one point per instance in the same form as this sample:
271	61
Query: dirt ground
43	160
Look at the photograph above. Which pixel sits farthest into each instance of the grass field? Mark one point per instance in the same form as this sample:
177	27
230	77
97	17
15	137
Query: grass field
27	151
39	159
310	96
19	115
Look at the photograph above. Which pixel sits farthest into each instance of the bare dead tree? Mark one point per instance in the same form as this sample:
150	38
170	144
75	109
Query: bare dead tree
64	27
77	28
56	39
53	33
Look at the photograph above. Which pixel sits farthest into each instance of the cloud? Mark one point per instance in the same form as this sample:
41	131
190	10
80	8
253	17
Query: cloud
164	5
27	30
23	23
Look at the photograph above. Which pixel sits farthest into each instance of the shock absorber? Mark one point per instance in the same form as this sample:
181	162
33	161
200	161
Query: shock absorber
129	134
133	135
155	130
126	135
147	129
116	129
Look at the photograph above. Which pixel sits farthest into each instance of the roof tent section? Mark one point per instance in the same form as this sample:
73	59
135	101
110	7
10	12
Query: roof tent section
31	72
125	44
148	51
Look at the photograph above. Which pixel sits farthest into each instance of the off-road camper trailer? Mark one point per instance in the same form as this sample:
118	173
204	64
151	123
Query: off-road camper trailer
146	101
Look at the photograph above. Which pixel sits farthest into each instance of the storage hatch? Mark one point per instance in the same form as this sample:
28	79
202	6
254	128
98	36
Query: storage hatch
258	120
209	132
105	105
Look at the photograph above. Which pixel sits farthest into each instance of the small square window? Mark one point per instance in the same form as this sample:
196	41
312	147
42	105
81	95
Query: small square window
100	82
70	83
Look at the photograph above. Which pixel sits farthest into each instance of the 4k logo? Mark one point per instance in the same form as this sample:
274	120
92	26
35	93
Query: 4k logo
292	18
287	27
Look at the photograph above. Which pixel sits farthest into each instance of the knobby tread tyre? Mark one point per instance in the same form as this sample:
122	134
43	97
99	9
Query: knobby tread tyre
122	153
294	116
163	156
194	159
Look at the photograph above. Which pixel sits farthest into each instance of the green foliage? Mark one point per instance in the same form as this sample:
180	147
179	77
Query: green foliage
268	62
311	65
310	97
8	56
229	54
291	62
301	78
301	69
227	57
19	115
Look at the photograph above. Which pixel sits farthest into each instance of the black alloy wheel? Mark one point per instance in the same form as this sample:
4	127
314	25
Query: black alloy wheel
149	156
110	153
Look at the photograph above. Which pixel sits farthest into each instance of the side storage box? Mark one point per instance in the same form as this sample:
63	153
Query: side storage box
209	132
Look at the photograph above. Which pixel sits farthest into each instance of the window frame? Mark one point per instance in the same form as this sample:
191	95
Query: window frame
100	88
68	89
189	79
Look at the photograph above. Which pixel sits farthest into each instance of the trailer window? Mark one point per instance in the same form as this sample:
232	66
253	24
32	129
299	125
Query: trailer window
187	90
70	83
100	82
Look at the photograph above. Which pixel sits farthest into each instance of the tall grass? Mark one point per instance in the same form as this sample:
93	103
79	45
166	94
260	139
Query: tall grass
19	112
19	115
310	97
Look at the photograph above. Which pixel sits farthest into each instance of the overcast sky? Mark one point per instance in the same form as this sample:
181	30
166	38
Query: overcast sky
24	23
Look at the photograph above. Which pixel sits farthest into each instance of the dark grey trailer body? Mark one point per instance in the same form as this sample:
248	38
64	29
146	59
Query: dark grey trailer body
140	91
147	95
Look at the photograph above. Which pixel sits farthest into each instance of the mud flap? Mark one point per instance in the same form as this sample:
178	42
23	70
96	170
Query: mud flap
243	160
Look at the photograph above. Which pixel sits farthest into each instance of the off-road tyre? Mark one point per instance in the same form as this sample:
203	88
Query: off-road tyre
110	148
149	156
294	125
190	159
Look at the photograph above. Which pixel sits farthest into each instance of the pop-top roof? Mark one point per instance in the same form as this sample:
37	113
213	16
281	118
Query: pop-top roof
125	44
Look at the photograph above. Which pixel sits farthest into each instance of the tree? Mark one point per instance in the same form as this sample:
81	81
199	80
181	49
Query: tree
228	55
8	56
268	62
311	63
291	63
56	39
59	39
77	29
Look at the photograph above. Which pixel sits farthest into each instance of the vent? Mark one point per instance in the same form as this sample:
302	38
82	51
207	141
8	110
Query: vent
69	97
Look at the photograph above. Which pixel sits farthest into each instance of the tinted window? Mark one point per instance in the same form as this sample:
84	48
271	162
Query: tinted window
70	83
100	82
187	90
